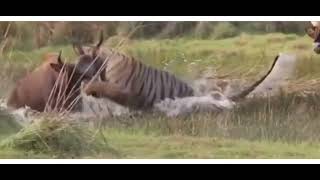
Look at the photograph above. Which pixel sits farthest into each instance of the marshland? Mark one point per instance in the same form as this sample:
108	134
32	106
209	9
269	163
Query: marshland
284	125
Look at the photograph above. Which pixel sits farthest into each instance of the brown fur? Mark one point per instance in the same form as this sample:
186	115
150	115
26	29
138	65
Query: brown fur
127	98
313	31
145	85
35	88
131	83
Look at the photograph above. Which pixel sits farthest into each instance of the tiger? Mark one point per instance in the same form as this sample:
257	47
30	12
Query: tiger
130	83
127	78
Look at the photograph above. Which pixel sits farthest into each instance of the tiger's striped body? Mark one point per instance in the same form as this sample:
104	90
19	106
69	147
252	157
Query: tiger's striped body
133	84
145	84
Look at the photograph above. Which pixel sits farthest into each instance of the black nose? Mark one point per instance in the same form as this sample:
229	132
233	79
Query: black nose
94	94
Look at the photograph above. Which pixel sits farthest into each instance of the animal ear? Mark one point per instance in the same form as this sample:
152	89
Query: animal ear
97	47
59	57
77	48
100	40
56	67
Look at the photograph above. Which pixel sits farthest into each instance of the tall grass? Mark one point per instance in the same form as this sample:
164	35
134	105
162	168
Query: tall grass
290	118
58	137
244	56
278	127
285	118
32	35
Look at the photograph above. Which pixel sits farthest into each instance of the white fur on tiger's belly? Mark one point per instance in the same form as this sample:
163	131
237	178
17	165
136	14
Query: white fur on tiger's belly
215	101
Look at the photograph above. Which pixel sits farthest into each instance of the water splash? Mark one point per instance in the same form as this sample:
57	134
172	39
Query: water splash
213	102
23	116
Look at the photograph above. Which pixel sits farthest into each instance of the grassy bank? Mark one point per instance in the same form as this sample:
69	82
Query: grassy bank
140	146
244	55
286	126
283	127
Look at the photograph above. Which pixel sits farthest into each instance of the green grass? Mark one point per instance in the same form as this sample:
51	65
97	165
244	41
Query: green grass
7	124
244	55
60	138
286	126
185	147
141	146
237	54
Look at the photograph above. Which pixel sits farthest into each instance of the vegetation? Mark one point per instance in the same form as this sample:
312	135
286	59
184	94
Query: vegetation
286	126
31	35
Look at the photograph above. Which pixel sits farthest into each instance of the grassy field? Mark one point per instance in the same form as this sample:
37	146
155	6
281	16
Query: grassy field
286	126
135	146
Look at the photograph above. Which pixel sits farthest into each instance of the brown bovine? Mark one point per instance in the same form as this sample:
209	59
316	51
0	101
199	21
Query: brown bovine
53	85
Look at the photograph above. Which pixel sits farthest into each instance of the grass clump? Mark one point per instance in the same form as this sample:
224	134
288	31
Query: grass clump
58	137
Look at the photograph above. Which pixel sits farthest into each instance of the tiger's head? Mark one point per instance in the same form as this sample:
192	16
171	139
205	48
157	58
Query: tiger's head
313	31
88	60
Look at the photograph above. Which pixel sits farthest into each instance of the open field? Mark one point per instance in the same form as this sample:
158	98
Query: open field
286	126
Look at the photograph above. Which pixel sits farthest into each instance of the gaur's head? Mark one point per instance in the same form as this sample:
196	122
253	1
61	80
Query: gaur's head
88	59
313	31
72	73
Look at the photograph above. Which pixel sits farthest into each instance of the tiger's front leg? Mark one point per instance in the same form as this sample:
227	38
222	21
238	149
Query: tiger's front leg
108	90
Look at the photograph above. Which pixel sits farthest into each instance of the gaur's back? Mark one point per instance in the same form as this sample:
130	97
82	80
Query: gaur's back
34	89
